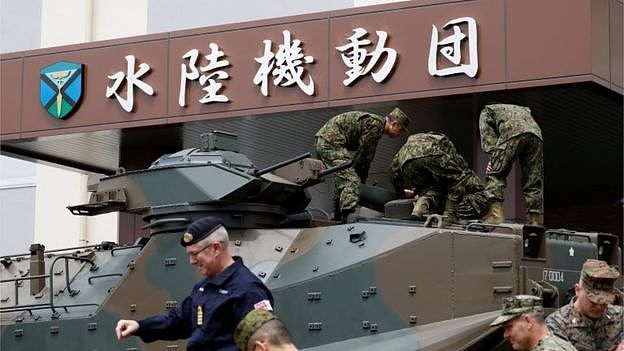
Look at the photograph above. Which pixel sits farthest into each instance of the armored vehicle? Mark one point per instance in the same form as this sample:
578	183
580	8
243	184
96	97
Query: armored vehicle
377	282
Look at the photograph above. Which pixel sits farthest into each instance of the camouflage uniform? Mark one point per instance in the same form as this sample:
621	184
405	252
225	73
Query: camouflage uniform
585	333
597	280
553	343
508	132
518	305
350	131
430	164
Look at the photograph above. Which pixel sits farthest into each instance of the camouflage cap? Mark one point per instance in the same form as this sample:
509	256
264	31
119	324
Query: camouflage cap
398	115
199	230
517	305
598	279
249	325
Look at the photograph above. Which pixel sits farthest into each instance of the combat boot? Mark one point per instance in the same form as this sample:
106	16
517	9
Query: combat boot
421	208
344	214
533	218
336	210
495	216
450	213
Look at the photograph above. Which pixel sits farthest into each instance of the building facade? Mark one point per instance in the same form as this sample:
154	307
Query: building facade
33	196
440	61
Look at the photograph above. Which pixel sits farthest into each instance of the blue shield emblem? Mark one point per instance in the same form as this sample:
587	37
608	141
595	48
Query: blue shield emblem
60	88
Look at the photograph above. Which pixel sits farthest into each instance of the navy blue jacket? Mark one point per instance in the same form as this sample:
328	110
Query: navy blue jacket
224	301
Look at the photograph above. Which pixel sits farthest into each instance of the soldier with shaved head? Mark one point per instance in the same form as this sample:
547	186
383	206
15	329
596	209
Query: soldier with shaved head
261	330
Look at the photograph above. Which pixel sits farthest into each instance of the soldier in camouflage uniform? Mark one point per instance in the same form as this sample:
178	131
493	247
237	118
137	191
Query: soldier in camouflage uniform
523	323
590	321
429	164
261	329
357	132
509	132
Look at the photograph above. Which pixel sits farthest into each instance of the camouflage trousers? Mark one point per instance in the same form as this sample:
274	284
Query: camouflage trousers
446	180
528	149
346	182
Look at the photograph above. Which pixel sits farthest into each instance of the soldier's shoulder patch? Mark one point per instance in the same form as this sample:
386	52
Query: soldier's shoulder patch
264	305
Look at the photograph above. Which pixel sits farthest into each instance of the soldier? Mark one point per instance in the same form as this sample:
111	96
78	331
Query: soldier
359	132
523	323
508	132
217	303
262	330
590	321
430	164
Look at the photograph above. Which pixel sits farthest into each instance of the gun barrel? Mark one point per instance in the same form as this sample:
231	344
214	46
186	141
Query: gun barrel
337	168
281	164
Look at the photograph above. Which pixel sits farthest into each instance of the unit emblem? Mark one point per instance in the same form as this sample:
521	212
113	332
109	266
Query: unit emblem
60	88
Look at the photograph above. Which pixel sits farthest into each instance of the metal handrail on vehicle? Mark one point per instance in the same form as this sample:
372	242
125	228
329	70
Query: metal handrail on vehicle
67	282
29	308
124	248
46	252
50	305
17	280
475	226
568	234
44	306
104	276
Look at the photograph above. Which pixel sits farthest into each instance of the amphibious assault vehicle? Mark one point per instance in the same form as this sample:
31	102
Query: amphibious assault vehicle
383	282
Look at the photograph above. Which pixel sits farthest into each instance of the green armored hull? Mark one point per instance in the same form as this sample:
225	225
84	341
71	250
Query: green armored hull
378	282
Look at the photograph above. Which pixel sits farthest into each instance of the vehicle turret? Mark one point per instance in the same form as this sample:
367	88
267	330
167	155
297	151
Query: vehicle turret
214	178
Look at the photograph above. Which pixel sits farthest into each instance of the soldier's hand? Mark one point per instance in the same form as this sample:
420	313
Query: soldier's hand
488	168
126	328
620	346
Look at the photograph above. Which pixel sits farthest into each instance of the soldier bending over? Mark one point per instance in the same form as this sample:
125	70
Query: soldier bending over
359	132
430	164
509	133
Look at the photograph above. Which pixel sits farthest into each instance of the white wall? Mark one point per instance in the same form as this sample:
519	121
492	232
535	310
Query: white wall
55	227
118	18
170	15
14	35
17	205
65	22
